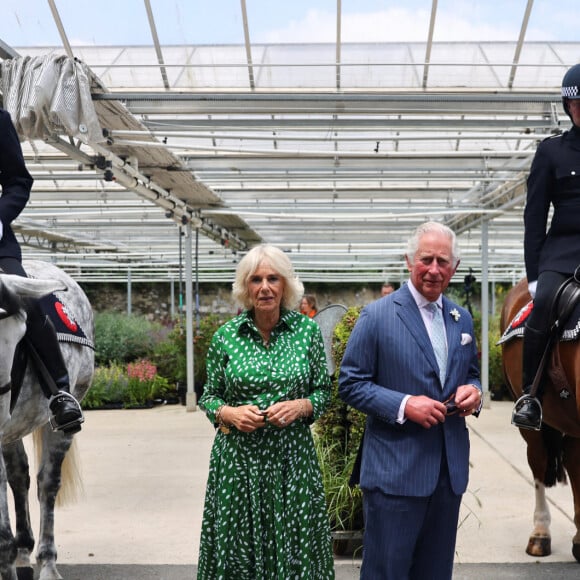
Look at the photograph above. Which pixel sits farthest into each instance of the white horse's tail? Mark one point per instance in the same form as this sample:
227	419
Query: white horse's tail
71	486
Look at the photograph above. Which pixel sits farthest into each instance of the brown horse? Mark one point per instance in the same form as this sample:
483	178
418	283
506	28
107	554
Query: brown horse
555	449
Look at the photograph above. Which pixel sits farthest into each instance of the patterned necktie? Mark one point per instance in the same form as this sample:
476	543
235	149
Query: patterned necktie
438	339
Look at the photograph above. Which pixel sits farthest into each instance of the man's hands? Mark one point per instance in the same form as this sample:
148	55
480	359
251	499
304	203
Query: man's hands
425	411
467	399
428	412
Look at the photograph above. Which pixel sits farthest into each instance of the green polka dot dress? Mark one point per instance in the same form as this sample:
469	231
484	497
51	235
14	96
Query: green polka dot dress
265	513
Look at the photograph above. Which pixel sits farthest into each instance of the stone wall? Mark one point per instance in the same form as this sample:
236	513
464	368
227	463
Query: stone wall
154	301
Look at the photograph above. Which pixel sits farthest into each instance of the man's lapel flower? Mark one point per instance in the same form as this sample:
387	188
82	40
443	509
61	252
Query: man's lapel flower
455	314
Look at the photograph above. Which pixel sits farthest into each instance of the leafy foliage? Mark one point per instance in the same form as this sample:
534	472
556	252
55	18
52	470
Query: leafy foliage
170	355
338	434
143	345
137	384
109	384
344	503
121	338
497	386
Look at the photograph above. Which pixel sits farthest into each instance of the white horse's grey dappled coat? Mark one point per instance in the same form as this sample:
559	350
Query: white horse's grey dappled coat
32	413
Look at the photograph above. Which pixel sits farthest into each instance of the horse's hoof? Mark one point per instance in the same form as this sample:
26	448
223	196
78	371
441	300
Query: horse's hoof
539	546
576	551
25	573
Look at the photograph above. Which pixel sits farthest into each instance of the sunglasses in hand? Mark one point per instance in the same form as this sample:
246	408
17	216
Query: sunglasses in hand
451	406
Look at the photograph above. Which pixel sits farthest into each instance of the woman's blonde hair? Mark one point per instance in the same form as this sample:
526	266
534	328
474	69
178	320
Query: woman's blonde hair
279	262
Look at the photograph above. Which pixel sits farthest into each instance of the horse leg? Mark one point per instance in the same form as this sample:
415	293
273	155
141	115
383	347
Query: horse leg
7	542
572	463
54	448
540	542
18	473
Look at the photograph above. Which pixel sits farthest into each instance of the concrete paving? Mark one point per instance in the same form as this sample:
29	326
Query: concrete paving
144	474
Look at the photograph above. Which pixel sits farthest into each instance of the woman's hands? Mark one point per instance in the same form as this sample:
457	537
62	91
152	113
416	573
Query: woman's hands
248	418
285	413
245	418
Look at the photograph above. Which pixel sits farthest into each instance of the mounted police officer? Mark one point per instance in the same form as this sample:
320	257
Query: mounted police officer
551	256
16	184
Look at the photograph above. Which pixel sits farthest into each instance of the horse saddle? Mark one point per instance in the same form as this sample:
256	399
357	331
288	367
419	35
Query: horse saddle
67	330
564	325
565	315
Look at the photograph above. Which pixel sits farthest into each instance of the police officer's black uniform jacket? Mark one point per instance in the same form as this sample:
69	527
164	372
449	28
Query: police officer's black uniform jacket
16	183
554	179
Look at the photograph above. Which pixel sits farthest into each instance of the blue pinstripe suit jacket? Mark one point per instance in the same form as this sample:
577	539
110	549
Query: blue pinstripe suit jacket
388	356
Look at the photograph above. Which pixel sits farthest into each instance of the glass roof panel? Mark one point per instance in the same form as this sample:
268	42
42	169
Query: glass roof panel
543	65
381	65
336	164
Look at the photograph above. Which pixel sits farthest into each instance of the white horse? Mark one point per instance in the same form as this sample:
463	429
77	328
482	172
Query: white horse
31	414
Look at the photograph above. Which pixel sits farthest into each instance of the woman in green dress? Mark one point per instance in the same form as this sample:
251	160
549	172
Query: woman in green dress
265	513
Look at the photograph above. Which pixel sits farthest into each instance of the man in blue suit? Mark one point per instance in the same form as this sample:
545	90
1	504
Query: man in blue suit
415	452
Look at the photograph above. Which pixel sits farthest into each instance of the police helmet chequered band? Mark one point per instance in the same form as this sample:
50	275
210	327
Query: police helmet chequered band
571	83
572	92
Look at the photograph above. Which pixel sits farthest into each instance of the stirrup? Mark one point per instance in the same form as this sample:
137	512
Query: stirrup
70	427
518	406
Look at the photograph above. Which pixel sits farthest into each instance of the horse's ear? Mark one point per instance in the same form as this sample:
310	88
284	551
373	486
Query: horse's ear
29	287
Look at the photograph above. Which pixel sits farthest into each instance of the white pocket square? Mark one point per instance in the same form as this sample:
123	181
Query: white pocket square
465	338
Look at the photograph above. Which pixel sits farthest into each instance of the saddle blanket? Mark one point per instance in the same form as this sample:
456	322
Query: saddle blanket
516	327
67	327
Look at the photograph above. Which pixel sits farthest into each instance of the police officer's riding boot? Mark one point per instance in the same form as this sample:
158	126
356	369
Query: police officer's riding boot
66	412
527	413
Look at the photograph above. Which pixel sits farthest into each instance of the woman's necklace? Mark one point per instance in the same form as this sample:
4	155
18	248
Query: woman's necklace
265	337
265	334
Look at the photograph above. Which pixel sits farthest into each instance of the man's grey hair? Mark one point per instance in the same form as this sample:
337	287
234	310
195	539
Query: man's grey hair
427	227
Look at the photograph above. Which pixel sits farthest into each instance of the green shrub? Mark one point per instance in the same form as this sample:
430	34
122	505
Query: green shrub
342	424
170	355
337	436
109	386
133	385
121	338
343	502
497	386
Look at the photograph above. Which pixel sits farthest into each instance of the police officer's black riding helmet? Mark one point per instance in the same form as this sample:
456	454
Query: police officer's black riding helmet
571	87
